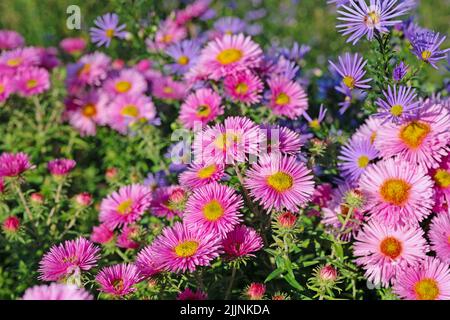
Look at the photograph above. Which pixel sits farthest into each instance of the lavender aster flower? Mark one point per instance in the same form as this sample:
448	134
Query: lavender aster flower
107	27
398	104
351	70
315	123
185	54
338	3
425	46
296	53
230	25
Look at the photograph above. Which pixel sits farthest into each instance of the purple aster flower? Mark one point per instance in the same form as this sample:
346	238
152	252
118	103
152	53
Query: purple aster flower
338	3
400	71
355	157
107	27
425	45
156	180
61	167
350	96
398	104
351	70
185	54
230	25
360	19
314	123
296	53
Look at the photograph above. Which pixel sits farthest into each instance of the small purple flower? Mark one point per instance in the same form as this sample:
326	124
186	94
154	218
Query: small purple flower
61	167
185	54
400	71
230	25
107	27
156	180
350	96
398	104
338	3
425	45
296	53
315	123
351	70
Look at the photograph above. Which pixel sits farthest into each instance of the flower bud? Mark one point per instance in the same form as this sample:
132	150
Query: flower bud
255	291
11	224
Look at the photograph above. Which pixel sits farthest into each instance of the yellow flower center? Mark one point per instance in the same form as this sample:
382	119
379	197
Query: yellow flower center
349	81
228	56
314	124
241	88
373	136
167	38
372	19
183	60
109	33
125	206
280	181
118	284
168	90
426	55
426	289
391	247
186	249
213	210
442	178
363	161
207	171
14	62
89	110
130	111
397	110
85	69
123	86
225	140
32	83
395	191
414	133
2	88
282	99
203	111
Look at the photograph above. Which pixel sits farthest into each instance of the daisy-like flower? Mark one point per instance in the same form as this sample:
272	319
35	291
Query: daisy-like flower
91	69
276	139
229	25
128	81
118	280
440	235
400	71
425	45
397	105
185	55
369	129
168	89
355	156
188	294
314	123
180	248
126	110
6	88
146	262
200	174
338	3
441	177
230	54
127	237
227	142
278	182
287	97
169	32
200	107
56	291
243	87
10	40
68	259
61	167
102	234
397	192
106	28
359	19
168	201
213	208
428	281
242	242
73	46
384	252
125	205
14	164
11	61
351	69
422	140
32	81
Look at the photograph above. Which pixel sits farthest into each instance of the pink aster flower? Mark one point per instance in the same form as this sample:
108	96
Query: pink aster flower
168	89
32	81
227	142
127	237
188	294
242	242
243	87
10	40
168	33
126	110
287	98
56	291
68	259
369	129
11	61
230	54
92	69
397	192
384	252
73	46
213	208
441	177
428	281
200	174
7	87
180	248
146	262
119	279
277	139
125	205
440	236
102	234
423	140
168	202
322	194
14	164
128	82
61	167
278	182
200	107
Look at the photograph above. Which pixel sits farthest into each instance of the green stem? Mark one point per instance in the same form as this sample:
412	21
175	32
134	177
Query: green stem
122	255
230	285
23	200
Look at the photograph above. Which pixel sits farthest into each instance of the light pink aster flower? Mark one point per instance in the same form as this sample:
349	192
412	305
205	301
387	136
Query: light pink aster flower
11	61
439	235
200	107
369	129
242	242
441	177
278	139
168	33
32	81
92	68
119	279
243	87
10	40
287	98
168	89
56	291
200	174
128	81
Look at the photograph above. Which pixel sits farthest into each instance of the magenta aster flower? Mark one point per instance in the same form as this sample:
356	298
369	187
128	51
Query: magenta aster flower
359	19
32	81
441	177
73	46
102	234
180	248
422	140
14	164
242	242
440	235
425	45
397	106
185	55
168	89
125	205
428	281
106	28
168	202
128	81
351	69
384	252
188	294
287	97
276	139
213	208
119	279
61	167
7	87
230	54
278	182
200	174
200	107
10	40
56	291
355	156
245	87
146	262
397	192
127	237
68	259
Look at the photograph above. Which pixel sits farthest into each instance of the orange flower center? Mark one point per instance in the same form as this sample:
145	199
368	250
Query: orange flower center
89	110
118	285
183	60
395	191
391	247
109	33
123	86
414	133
